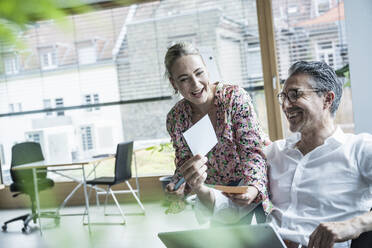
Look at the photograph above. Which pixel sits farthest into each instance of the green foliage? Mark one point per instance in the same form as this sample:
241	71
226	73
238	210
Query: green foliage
15	15
348	82
344	72
166	147
156	160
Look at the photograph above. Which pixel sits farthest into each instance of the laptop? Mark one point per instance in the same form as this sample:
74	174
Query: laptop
247	236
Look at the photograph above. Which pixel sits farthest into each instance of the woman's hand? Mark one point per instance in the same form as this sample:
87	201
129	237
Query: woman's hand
194	171
244	199
175	194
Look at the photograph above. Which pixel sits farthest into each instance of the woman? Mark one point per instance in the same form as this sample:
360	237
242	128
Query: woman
237	158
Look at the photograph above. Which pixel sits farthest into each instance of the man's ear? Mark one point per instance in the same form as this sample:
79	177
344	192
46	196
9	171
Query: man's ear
328	99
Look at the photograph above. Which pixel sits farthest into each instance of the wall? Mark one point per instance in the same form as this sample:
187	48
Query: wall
358	15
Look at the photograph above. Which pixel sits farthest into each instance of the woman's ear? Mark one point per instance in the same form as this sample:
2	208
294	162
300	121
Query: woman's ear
328	99
171	80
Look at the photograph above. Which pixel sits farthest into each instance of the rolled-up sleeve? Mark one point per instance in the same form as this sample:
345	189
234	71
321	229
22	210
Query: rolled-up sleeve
225	211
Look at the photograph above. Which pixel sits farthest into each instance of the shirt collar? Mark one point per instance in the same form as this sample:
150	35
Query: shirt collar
337	137
291	141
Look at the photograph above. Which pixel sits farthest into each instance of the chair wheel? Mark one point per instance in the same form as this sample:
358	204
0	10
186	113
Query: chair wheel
26	230
4	227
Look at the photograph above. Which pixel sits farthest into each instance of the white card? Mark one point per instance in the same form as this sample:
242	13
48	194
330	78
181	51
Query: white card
201	137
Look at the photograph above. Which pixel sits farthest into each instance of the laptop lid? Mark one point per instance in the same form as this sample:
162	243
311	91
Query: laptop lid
247	236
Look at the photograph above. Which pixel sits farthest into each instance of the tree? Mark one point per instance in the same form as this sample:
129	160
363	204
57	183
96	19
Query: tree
16	15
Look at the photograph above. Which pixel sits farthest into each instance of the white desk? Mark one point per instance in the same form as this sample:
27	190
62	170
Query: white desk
58	168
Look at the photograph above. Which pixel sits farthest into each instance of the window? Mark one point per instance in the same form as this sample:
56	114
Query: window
48	59
87	55
88	101
59	104
11	64
309	37
91	99
292	9
130	44
326	52
86	138
15	107
322	6
47	105
11	108
96	100
34	137
2	157
254	69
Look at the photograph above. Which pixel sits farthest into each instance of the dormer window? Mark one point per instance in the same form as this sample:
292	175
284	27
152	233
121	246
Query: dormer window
87	52
11	64
48	58
87	55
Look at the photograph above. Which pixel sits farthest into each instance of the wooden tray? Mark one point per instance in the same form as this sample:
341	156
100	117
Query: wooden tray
230	189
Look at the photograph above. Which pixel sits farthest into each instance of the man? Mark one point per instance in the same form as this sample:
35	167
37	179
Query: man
320	178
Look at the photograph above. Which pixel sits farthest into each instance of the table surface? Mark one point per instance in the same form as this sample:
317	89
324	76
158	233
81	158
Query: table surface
48	164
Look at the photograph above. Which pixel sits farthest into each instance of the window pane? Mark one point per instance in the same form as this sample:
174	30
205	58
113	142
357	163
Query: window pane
114	58
308	36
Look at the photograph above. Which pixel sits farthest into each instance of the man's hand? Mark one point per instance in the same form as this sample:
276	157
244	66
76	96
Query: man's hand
244	199
326	234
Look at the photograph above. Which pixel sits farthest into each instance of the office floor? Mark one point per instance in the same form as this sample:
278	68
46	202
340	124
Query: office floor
139	231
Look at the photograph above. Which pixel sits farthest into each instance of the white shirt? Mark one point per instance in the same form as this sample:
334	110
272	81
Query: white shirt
333	182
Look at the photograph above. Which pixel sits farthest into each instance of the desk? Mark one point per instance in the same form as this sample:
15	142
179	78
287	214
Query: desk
58	168
2	186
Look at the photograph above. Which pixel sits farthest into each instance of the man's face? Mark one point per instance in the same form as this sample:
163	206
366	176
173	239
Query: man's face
190	78
308	111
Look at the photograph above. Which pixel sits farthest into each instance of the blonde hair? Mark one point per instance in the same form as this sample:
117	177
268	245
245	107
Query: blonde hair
175	52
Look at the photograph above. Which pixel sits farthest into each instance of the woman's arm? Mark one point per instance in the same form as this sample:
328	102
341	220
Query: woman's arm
182	153
249	141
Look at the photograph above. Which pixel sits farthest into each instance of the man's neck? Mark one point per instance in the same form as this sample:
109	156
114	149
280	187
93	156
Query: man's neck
310	139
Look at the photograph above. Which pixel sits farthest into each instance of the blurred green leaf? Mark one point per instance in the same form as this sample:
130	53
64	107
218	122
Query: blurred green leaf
15	15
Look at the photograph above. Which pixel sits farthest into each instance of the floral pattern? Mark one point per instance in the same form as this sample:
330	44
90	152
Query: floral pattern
238	154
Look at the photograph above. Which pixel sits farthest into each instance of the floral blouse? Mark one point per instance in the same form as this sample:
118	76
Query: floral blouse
238	154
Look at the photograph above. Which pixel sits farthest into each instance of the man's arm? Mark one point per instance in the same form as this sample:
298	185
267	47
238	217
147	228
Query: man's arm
206	197
326	234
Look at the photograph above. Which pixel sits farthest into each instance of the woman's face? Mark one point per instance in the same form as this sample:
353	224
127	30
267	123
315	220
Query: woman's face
190	77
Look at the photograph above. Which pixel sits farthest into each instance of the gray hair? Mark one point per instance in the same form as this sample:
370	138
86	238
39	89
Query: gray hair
175	52
324	79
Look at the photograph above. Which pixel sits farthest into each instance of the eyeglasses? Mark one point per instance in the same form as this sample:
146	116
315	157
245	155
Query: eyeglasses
293	94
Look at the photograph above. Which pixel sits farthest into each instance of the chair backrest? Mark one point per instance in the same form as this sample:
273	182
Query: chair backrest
363	241
123	161
25	153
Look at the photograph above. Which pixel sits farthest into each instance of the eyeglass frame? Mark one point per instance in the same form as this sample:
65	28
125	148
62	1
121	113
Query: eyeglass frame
282	95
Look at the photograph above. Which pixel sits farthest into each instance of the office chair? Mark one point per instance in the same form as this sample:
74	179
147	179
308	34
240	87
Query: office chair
25	153
1	174
123	172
